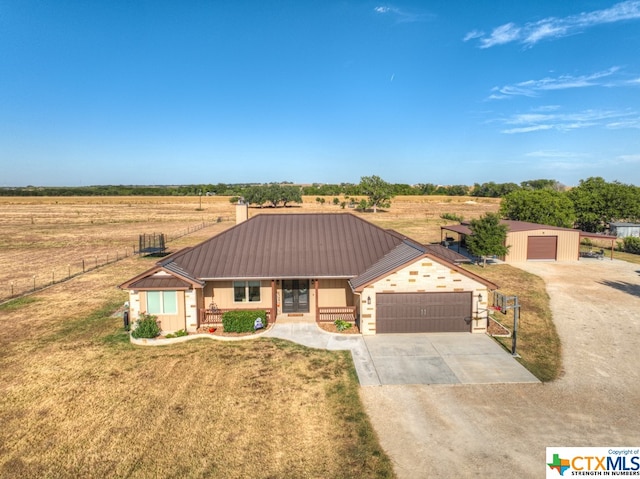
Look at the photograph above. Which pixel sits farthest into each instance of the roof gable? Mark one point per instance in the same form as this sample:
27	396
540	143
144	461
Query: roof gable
160	278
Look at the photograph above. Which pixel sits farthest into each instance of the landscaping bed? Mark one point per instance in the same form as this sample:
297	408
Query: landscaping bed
332	328
218	330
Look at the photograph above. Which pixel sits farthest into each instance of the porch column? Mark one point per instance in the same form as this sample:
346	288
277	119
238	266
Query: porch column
274	304
317	301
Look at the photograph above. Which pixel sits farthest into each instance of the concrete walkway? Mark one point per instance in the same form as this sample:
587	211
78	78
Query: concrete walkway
426	358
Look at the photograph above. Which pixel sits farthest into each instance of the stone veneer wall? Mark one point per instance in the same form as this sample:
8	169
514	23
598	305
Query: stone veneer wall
423	276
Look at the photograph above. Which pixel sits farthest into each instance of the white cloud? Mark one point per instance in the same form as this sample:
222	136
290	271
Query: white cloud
527	129
402	16
626	123
500	35
529	122
532	88
473	35
552	27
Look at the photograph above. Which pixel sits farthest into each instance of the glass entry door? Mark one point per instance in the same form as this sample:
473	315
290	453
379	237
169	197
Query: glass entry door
295	293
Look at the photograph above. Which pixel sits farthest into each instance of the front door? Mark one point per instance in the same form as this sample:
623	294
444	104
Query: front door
295	293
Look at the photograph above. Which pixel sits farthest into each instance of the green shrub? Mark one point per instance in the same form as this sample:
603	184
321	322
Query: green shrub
176	334
146	326
451	217
242	321
341	324
631	244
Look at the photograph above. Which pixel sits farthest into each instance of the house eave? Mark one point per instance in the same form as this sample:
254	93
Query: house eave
279	277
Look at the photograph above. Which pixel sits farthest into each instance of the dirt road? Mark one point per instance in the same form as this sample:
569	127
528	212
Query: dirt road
502	430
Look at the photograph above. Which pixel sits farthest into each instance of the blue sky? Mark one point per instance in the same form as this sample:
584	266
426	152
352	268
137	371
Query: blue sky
444	92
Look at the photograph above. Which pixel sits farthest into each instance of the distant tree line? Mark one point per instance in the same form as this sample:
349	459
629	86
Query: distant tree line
378	192
591	206
491	189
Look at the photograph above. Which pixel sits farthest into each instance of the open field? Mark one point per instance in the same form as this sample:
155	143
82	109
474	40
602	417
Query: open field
45	239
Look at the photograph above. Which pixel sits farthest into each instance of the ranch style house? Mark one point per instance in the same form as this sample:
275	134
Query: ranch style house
317	267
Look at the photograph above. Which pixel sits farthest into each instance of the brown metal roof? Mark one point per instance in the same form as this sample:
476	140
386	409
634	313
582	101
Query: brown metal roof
286	246
402	254
446	253
156	283
513	227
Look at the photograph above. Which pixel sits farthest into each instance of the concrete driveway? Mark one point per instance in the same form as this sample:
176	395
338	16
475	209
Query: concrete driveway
429	358
443	358
502	430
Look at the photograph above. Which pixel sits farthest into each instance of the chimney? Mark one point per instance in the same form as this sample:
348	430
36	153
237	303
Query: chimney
242	211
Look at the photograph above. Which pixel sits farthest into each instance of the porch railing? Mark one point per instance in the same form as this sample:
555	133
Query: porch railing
214	316
330	314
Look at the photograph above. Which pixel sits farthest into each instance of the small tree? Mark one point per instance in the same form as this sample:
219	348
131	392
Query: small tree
379	192
488	237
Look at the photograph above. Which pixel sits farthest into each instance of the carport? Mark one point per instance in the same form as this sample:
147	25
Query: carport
600	237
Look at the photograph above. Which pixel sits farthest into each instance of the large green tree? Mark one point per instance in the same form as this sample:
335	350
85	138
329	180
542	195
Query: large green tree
544	206
488	237
598	203
379	192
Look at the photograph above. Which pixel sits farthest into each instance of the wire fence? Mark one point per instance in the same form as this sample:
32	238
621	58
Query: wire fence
41	280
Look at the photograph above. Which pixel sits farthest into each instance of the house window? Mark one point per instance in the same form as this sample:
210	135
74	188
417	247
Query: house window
162	302
246	291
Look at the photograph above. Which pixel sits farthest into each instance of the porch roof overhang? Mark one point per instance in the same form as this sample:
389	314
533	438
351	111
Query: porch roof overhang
160	278
584	234
158	284
460	229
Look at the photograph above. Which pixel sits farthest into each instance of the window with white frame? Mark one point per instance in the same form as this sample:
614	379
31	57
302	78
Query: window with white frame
246	291
162	302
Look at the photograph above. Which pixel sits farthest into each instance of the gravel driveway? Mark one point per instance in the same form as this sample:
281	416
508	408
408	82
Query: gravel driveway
502	430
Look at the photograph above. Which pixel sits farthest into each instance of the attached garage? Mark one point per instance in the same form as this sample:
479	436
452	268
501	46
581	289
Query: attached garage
423	312
542	248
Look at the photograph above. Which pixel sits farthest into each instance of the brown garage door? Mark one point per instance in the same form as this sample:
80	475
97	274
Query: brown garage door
542	247
423	312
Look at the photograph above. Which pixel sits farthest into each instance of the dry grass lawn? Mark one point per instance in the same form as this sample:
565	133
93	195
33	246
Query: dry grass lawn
78	400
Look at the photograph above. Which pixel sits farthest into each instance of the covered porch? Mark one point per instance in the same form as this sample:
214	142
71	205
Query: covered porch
309	299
